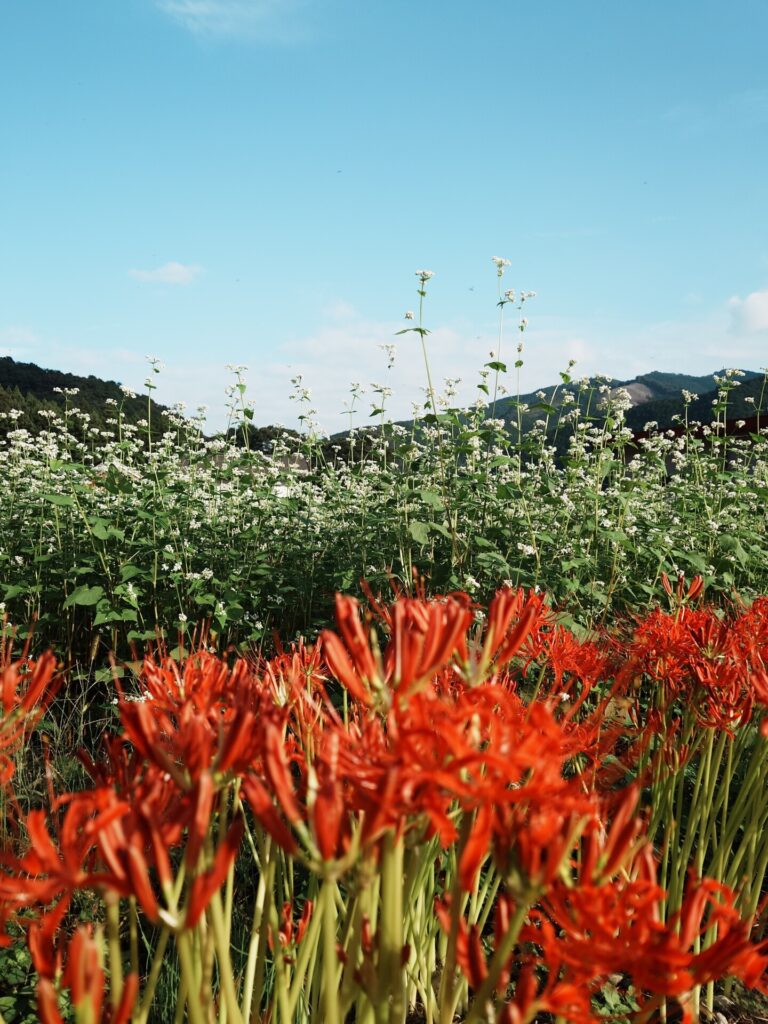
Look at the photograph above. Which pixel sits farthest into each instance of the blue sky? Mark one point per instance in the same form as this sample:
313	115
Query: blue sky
256	181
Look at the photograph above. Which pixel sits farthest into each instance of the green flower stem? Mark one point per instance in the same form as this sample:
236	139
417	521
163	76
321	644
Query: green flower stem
226	973
148	994
257	948
327	910
390	1000
115	952
500	957
307	954
446	997
191	979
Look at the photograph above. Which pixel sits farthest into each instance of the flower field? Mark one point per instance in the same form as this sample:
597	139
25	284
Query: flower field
463	719
433	811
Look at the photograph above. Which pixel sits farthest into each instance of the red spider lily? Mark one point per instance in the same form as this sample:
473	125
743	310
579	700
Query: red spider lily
260	801
425	637
512	616
350	659
48	870
573	662
706	662
26	687
318	804
83	978
680	594
187	741
292	932
616	927
115	837
532	995
207	883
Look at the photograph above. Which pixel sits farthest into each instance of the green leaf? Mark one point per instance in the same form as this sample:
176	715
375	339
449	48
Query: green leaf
419	531
129	572
442	530
60	499
431	498
84	596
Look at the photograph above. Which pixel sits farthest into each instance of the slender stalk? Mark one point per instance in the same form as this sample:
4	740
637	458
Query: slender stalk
331	1011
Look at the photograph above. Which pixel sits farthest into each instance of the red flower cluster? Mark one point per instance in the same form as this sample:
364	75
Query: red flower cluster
491	740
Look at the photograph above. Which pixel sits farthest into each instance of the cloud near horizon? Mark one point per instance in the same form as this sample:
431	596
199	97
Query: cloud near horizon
345	346
259	20
750	315
168	273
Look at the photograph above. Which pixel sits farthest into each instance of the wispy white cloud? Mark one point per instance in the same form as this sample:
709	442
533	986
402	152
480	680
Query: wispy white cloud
258	20
345	347
750	315
169	273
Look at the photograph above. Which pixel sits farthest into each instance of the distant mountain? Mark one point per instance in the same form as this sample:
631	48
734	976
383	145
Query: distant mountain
29	390
656	397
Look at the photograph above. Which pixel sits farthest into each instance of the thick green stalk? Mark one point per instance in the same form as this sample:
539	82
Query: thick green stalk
331	1012
191	979
391	968
226	973
115	952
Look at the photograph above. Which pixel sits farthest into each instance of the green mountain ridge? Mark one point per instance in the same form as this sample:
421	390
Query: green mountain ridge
28	390
657	397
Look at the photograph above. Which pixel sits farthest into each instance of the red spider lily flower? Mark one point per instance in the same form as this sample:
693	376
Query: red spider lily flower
679	592
278	772
26	687
200	718
615	926
343	668
41	937
48	871
537	843
501	642
605	852
326	805
572	661
84	979
532	996
200	821
351	661
705	662
290	932
562	1000
476	848
320	805
265	812
425	637
209	882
